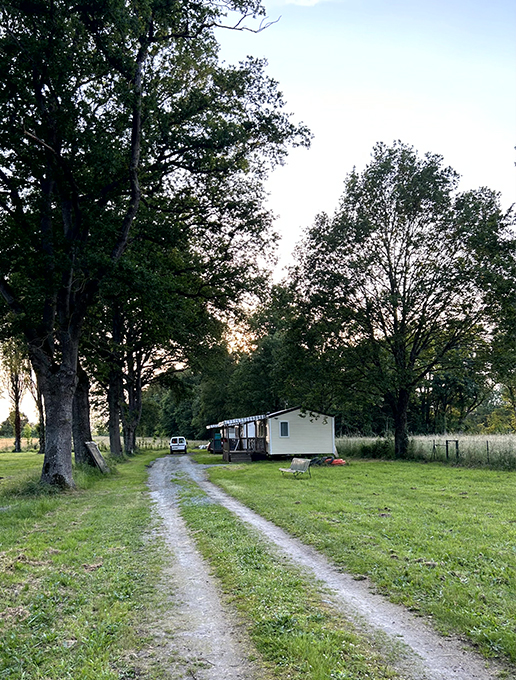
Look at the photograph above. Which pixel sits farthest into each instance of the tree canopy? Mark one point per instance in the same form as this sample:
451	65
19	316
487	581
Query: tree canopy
391	279
118	124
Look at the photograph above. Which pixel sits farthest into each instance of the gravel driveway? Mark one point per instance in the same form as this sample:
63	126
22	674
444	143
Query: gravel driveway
210	633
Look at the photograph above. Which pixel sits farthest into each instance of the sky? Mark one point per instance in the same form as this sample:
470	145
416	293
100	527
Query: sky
438	75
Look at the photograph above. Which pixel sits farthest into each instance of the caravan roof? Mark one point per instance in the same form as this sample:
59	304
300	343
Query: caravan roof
263	416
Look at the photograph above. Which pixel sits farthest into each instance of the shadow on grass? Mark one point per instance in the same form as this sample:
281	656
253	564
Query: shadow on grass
29	486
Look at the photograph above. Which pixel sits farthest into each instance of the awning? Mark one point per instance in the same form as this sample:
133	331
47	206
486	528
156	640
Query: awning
236	421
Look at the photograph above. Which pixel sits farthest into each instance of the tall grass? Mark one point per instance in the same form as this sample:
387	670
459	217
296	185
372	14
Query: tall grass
7	444
496	451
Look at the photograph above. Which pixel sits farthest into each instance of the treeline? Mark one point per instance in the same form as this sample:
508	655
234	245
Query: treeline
464	395
132	209
397	316
133	234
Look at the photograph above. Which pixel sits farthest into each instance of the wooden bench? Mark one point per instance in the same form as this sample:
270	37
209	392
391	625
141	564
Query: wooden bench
298	466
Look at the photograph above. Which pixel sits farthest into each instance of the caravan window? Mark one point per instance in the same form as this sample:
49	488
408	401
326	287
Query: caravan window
283	428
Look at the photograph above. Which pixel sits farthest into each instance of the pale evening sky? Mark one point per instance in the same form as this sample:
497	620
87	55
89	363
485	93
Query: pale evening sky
437	74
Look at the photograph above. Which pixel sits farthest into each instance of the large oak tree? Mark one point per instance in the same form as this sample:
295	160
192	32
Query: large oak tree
392	279
107	109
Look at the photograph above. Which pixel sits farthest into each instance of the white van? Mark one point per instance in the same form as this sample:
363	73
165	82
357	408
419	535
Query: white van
178	445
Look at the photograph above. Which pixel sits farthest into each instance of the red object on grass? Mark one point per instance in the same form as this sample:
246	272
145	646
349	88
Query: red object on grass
338	461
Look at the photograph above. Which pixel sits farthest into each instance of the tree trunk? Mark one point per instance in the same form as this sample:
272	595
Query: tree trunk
114	396
57	381
41	415
129	437
401	439
58	390
15	393
131	414
132	410
81	419
17	427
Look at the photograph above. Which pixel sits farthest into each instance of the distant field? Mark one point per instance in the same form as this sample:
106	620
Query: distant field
7	444
492	450
156	443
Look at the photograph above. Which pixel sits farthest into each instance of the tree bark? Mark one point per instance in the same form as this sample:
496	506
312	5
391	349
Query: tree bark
17	423
57	380
16	389
129	436
114	396
401	439
81	419
131	415
58	390
41	415
132	410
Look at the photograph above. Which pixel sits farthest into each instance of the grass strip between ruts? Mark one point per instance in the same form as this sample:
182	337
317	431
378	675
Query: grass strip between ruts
437	539
294	630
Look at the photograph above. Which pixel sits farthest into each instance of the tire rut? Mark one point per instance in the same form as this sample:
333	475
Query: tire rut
197	636
422	654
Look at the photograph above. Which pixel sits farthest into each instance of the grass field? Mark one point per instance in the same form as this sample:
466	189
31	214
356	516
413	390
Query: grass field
78	581
494	451
441	540
289	621
75	570
78	575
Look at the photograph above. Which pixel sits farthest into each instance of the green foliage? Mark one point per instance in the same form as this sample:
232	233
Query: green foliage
131	159
6	428
150	424
392	283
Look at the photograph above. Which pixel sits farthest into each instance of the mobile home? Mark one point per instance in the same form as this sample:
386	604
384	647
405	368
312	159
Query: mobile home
292	432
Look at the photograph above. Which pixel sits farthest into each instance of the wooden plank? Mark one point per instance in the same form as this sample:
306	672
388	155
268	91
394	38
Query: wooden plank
97	456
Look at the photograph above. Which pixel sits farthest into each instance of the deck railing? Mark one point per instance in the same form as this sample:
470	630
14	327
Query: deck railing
248	444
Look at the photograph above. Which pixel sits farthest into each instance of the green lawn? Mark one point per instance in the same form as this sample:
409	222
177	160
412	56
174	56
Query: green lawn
206	458
440	540
13	466
76	572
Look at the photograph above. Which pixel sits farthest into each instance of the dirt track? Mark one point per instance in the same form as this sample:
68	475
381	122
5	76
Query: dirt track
198	637
210	633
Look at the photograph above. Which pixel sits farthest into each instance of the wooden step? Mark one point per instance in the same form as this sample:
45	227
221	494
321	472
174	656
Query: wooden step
240	457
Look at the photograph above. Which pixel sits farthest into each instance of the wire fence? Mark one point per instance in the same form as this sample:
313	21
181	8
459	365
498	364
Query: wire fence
157	443
496	451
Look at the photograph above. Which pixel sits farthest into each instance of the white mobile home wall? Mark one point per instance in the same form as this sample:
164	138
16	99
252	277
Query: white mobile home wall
309	434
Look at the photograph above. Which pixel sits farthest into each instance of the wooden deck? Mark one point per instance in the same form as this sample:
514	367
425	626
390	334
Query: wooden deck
241	450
